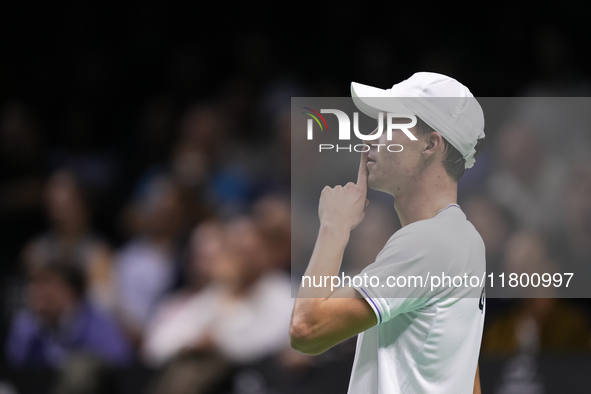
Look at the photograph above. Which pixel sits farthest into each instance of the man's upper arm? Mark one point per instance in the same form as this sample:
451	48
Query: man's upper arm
331	321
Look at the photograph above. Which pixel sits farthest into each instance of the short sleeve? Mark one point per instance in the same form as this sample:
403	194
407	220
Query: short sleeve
399	281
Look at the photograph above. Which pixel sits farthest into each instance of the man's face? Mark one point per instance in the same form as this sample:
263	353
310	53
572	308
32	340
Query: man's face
391	172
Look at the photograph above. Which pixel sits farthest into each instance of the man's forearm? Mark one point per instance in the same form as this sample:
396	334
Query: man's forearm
308	310
326	260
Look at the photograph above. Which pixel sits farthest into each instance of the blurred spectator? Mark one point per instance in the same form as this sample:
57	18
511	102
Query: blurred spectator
239	316
494	224
257	306
279	151
70	239
530	181
146	268
59	322
578	218
539	324
202	141
574	245
272	215
207	160
180	317
570	115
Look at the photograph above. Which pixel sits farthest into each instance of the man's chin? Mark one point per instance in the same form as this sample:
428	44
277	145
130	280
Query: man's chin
373	184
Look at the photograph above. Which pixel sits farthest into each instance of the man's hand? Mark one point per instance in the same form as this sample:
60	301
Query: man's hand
342	207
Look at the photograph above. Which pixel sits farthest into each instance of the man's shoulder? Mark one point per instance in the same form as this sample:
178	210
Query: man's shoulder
424	233
432	241
449	223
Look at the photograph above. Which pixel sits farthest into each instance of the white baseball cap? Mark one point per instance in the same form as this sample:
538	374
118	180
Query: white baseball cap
440	101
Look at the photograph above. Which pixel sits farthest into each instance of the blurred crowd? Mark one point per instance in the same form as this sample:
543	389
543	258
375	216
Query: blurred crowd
193	278
168	246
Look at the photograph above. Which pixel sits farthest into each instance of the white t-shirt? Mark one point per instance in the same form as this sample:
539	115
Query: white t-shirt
426	340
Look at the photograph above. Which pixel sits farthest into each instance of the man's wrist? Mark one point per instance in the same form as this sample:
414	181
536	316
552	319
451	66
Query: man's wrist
335	230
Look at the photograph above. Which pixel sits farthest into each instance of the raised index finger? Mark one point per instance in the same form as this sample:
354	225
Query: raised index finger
362	174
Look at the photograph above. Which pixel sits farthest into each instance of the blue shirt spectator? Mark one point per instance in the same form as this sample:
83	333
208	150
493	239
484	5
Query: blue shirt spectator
59	322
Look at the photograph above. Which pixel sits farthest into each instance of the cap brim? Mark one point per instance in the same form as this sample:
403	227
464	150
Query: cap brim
371	101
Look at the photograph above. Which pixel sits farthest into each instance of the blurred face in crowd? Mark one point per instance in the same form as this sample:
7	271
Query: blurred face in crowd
246	254
206	247
162	209
64	202
520	151
526	252
272	215
489	221
203	127
49	296
201	140
168	214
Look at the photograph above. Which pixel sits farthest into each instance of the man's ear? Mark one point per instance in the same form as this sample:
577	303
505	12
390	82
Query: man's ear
433	143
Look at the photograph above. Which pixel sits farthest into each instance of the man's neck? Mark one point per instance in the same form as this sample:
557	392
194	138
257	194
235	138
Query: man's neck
424	199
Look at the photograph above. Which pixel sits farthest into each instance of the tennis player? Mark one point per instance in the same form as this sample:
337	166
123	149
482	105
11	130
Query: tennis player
412	339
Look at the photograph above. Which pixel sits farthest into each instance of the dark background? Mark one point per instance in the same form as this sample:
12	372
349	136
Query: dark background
87	71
